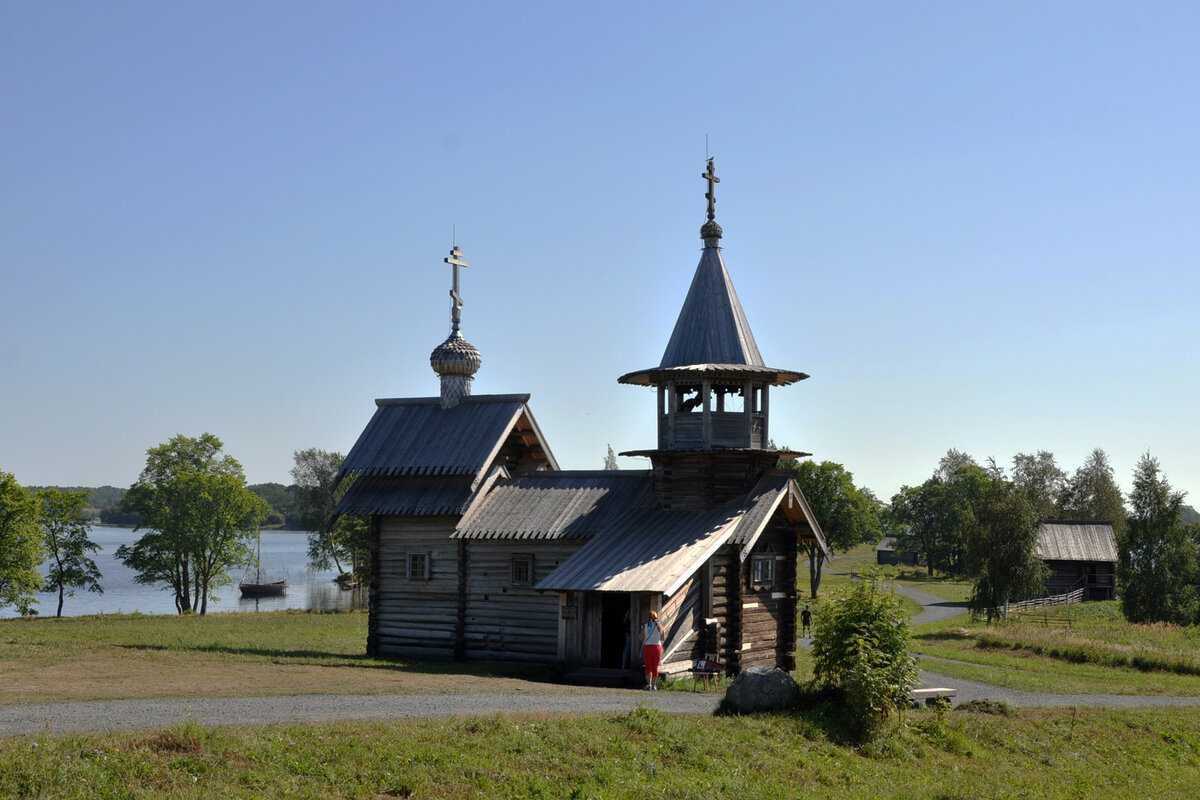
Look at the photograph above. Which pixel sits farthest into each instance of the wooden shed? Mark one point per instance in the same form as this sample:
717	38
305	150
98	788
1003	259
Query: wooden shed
1080	555
484	549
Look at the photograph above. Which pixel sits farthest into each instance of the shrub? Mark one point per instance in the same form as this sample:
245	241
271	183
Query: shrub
861	645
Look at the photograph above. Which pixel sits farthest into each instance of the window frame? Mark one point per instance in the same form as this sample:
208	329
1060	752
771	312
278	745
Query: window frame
757	564
527	560
427	562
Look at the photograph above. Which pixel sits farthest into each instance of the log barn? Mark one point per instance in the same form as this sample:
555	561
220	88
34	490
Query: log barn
484	549
1080	555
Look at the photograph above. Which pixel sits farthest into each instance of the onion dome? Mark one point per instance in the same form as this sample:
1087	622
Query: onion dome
455	356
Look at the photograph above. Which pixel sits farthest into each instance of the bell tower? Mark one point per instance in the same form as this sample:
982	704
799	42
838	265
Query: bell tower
713	389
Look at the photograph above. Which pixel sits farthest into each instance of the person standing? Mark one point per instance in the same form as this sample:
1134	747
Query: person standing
652	638
806	622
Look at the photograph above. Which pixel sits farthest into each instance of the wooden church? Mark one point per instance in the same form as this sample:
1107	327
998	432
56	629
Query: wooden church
483	549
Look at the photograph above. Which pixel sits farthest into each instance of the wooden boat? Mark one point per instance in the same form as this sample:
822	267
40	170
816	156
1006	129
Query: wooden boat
258	587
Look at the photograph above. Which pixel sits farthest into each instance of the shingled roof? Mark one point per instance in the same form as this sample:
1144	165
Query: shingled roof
556	505
1076	541
417	436
712	332
652	549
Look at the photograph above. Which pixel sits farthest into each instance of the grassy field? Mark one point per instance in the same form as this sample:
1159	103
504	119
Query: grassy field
1099	653
643	753
220	655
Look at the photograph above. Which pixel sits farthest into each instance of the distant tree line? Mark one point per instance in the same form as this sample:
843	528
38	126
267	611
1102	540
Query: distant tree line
104	505
981	521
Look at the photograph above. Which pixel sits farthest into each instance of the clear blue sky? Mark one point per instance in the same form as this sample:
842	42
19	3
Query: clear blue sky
976	225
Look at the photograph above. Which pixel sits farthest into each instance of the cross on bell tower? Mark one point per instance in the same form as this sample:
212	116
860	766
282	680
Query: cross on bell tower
455	260
711	194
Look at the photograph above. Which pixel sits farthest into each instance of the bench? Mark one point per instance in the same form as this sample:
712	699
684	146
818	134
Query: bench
932	696
705	669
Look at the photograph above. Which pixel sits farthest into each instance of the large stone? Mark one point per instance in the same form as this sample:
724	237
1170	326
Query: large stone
761	689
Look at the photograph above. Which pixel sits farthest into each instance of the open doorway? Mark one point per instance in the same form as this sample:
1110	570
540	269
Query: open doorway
614	626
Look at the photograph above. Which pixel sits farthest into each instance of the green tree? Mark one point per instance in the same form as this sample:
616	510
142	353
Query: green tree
862	644
330	542
1039	478
847	516
1092	493
951	463
20	546
610	459
1156	557
1002	549
199	517
67	544
934	517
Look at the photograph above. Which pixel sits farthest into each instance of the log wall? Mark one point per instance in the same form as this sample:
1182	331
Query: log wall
414	618
768	623
507	622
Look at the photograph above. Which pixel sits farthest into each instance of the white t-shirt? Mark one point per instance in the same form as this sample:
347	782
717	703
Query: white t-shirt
653	633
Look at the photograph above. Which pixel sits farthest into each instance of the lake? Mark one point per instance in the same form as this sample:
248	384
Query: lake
284	557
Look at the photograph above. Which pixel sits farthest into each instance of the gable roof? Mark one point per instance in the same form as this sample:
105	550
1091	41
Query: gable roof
555	505
652	549
645	550
1076	541
416	436
774	491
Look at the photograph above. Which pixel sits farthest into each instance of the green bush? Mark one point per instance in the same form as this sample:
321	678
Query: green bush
862	645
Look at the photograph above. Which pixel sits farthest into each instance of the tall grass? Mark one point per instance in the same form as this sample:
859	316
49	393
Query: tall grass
643	753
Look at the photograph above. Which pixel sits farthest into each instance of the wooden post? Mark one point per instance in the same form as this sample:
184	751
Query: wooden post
672	409
706	397
766	415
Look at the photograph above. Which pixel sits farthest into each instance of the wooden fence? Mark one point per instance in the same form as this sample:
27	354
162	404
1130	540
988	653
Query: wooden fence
1052	610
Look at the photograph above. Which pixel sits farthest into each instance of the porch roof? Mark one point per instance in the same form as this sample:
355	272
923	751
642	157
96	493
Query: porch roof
645	550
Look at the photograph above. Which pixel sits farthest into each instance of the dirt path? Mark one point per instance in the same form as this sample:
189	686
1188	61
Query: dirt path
137	714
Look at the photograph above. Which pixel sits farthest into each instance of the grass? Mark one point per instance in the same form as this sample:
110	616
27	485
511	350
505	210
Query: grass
139	656
1099	653
643	753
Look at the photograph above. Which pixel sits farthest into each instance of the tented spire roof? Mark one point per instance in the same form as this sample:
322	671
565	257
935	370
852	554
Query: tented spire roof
712	333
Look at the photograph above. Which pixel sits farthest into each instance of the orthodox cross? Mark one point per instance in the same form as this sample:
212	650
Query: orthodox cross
455	261
711	195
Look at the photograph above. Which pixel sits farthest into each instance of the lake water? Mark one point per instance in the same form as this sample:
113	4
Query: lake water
284	557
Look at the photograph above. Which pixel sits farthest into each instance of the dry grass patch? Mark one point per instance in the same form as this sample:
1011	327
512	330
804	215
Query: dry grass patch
223	655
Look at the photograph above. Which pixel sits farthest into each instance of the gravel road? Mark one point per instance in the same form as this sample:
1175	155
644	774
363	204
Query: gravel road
135	714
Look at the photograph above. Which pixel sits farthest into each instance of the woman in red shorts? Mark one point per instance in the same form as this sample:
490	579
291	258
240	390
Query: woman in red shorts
652	650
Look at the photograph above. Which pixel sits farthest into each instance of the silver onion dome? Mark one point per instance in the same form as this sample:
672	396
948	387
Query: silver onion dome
455	356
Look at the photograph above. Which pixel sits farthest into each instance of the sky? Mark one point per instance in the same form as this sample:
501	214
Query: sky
975	225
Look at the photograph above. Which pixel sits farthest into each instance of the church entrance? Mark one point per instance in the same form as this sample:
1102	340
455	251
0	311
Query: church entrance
614	626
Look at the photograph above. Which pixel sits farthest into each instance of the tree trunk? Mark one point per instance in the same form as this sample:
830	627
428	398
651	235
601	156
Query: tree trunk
60	599
816	559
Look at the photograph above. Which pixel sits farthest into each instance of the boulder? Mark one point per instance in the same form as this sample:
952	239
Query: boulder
761	689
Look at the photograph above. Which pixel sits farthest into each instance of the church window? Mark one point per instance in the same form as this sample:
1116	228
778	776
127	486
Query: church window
419	567
762	570
521	570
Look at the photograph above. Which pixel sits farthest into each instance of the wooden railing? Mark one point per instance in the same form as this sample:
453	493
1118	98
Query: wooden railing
1067	599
